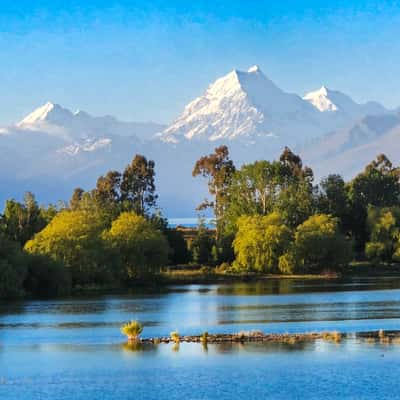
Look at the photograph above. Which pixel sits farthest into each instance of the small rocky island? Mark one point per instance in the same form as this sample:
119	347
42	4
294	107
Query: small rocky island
258	336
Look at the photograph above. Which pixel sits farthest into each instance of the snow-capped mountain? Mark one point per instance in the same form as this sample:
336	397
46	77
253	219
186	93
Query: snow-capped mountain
71	126
53	150
249	107
246	106
49	113
332	101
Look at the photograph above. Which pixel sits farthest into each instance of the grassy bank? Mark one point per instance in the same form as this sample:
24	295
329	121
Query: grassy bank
370	269
205	275
197	276
188	275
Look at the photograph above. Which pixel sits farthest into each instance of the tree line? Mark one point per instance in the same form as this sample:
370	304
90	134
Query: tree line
110	236
270	217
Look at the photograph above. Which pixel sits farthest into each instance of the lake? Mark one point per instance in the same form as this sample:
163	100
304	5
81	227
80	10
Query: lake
72	348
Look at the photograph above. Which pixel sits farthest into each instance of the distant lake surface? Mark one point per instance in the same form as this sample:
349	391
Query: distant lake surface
190	222
72	348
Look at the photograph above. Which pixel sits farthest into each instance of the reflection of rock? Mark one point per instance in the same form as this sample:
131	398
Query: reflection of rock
263	347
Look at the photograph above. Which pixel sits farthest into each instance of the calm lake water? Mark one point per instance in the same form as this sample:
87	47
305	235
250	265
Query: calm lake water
72	349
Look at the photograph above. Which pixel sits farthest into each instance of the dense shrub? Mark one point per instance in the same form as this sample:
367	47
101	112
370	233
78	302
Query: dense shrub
73	238
203	246
319	244
179	252
383	225
46	278
13	269
260	242
140	249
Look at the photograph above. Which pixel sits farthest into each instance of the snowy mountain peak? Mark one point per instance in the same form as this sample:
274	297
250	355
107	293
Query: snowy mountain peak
49	112
321	99
254	69
54	120
243	104
332	101
324	90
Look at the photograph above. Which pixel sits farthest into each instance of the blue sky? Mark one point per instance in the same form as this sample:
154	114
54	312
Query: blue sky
145	60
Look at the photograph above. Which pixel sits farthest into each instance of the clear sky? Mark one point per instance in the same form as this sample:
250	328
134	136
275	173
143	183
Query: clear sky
145	60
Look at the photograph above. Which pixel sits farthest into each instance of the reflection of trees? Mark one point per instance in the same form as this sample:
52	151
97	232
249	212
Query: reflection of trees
299	285
262	287
13	308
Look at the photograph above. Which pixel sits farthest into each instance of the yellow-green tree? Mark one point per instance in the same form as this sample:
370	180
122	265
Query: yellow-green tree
74	239
319	244
140	248
383	225
260	242
379	186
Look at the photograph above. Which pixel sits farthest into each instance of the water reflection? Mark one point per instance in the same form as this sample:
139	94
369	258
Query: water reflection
231	347
341	311
176	347
271	306
297	286
135	347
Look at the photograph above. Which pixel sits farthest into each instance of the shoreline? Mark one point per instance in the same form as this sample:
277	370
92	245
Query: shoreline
191	276
196	277
353	270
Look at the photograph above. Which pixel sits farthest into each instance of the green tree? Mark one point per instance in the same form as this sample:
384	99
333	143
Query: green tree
46	278
294	166
13	269
262	187
254	190
108	191
22	220
260	242
319	244
377	186
296	203
47	214
76	198
140	248
202	245
73	238
138	190
218	168
332	199
179	253
383	225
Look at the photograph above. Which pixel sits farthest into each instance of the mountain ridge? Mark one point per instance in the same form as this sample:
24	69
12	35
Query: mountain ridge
52	150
